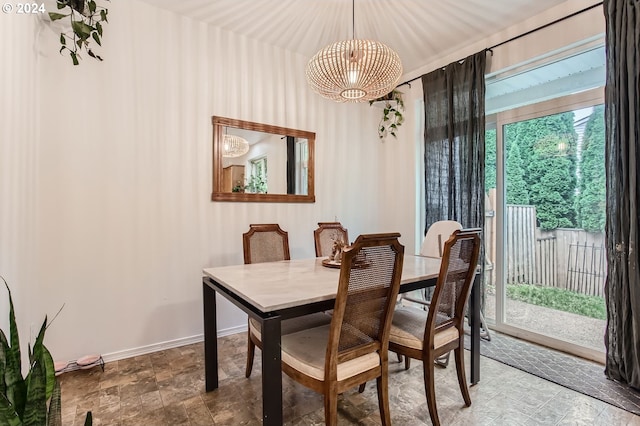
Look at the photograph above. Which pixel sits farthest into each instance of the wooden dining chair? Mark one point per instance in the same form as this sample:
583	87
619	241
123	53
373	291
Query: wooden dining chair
326	234
432	246
333	358
269	243
428	335
265	242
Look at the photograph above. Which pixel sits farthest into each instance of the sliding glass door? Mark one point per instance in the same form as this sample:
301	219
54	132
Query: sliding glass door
545	221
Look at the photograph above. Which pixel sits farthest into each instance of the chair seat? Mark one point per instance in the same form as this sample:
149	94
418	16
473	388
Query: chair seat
407	329
305	351
293	325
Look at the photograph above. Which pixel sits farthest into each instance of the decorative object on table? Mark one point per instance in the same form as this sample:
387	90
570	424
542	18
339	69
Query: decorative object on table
336	251
331	263
326	234
392	109
34	400
234	146
85	19
354	70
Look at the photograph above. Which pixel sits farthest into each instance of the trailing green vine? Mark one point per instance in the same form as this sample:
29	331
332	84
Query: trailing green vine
86	19
391	113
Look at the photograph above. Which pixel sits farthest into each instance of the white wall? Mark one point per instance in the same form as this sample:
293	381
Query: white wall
19	131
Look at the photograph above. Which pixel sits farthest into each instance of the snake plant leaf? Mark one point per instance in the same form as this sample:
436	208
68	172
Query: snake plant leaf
50	373
13	328
55	407
14	386
37	345
35	410
8	415
3	362
42	354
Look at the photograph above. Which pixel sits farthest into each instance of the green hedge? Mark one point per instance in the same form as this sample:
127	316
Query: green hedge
560	299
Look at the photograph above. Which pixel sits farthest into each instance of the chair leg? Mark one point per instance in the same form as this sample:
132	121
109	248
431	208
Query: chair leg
399	357
331	408
251	349
361	387
407	362
430	390
383	398
462	379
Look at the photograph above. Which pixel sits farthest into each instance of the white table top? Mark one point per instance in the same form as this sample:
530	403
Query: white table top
271	286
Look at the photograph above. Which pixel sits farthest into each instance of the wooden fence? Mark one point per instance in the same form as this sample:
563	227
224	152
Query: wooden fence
572	259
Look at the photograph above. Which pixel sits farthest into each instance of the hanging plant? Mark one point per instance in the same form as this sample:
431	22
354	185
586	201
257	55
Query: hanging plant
85	18
392	109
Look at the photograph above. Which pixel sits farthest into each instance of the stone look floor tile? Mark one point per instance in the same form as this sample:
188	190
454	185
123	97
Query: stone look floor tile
167	388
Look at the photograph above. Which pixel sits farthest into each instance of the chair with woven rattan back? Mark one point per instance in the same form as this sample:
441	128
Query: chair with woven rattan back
333	358
325	236
265	242
428	335
432	246
269	243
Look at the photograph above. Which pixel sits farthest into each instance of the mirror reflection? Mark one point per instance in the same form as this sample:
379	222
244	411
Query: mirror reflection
258	162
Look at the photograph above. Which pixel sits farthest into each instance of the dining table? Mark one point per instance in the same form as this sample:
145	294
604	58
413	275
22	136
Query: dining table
274	291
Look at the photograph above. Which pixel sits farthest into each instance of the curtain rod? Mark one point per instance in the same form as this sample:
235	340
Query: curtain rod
490	49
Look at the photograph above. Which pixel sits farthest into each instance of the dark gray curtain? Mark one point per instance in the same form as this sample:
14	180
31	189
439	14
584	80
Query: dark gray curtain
622	120
454	142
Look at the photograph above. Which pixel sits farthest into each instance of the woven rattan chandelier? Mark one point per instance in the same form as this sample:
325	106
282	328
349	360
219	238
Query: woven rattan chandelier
234	146
354	70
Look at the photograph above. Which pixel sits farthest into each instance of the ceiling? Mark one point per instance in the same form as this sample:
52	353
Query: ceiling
419	30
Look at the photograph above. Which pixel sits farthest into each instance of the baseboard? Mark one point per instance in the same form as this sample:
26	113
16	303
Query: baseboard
144	350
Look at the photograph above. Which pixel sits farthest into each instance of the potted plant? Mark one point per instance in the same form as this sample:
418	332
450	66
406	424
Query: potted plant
34	399
392	109
85	19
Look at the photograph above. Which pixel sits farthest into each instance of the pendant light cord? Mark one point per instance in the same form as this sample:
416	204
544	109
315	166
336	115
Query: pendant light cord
353	19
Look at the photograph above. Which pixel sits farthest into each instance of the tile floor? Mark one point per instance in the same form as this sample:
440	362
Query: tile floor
167	388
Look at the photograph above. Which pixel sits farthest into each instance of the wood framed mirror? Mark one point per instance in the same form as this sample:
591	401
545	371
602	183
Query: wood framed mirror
255	162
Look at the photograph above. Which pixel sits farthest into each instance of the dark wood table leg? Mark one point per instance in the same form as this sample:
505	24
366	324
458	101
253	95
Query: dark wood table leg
475	330
210	337
271	372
